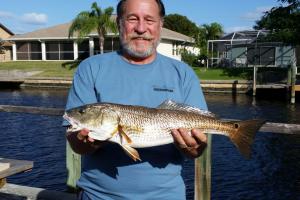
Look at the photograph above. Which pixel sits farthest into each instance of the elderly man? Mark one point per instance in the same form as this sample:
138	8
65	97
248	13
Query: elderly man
135	75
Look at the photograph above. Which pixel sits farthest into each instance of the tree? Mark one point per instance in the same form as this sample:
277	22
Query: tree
181	24
213	31
96	19
283	22
2	49
207	32
201	34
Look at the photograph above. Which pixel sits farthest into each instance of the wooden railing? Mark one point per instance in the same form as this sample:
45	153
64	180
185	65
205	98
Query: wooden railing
202	164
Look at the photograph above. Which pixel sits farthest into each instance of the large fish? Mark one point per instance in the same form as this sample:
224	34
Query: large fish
138	126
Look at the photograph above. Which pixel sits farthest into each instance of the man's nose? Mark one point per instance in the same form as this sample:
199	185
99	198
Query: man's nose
141	26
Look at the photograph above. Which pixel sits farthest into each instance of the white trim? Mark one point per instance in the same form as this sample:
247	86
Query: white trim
75	50
14	49
91	46
43	47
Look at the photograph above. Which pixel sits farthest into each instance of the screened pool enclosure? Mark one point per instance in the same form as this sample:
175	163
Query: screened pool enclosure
246	49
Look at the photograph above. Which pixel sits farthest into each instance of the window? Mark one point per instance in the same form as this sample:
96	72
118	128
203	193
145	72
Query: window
261	55
83	50
110	44
59	50
29	50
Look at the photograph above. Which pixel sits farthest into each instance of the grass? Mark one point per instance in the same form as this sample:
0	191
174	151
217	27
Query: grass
47	68
223	73
66	69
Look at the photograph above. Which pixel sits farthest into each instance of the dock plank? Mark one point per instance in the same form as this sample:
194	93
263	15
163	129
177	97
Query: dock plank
15	166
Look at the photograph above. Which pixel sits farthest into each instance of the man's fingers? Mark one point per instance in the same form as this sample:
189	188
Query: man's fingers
84	132
83	135
178	138
188	140
199	136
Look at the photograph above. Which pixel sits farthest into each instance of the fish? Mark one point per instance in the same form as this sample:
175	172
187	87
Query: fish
134	127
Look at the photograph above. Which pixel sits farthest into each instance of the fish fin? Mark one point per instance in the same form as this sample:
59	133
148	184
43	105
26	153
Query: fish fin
131	152
172	105
244	135
124	135
125	141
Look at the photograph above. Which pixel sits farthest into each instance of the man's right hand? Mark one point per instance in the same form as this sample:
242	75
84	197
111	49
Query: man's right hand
81	143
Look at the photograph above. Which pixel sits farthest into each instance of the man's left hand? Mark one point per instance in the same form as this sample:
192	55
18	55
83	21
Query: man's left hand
193	144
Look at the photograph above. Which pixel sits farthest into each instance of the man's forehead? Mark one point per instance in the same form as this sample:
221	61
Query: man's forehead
148	7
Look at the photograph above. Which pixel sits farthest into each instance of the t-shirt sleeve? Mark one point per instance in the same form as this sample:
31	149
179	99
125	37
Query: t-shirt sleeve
193	94
82	90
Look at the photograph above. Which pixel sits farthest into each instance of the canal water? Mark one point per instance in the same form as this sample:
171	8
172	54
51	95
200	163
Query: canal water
272	172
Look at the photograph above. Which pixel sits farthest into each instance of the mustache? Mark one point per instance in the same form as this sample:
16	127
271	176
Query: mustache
144	37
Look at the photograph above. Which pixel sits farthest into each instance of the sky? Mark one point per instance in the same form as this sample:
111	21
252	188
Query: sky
30	15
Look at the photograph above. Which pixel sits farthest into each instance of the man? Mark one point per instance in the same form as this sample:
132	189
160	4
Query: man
135	75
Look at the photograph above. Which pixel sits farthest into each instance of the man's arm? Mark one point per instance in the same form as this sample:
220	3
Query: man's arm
81	143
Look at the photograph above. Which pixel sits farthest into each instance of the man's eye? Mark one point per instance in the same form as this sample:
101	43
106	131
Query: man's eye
150	21
132	19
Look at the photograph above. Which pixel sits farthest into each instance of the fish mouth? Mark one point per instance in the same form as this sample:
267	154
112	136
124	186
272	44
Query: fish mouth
74	123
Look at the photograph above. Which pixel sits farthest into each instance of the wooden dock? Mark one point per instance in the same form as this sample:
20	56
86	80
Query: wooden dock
18	192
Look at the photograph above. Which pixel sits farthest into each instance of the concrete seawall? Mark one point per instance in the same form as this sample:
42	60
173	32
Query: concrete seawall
228	86
238	86
208	86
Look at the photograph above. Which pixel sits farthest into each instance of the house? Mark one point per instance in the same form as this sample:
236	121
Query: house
5	47
248	48
53	43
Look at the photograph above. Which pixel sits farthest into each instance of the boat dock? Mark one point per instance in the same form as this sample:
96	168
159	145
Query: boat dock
19	192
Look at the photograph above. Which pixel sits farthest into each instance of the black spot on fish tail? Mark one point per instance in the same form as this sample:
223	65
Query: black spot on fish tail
244	134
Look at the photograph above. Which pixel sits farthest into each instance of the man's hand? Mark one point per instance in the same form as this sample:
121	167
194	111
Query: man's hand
192	145
81	143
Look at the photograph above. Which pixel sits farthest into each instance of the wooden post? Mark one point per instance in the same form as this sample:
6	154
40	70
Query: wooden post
254	80
73	162
293	80
289	76
203	173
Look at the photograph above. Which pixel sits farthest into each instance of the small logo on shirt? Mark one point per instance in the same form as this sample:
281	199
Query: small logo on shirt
158	89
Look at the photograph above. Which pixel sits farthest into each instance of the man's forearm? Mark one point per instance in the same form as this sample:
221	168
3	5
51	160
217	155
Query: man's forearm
81	146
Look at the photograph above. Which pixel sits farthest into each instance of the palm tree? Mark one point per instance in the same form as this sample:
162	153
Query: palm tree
213	31
96	19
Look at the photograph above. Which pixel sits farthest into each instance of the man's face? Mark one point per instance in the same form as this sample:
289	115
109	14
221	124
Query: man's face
140	28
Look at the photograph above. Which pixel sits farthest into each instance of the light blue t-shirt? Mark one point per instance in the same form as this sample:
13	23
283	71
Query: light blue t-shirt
109	173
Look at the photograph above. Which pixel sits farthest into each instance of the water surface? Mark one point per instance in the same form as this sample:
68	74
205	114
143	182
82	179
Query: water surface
272	172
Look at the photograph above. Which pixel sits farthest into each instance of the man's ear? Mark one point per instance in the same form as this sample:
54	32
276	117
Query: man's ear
161	24
118	22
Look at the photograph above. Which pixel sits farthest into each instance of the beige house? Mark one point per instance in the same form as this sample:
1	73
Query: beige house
53	43
5	46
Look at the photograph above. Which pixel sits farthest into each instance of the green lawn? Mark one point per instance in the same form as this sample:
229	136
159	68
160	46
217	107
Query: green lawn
64	69
48	68
223	73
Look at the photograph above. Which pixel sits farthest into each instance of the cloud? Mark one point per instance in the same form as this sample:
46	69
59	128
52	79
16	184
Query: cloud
4	14
237	28
256	14
34	18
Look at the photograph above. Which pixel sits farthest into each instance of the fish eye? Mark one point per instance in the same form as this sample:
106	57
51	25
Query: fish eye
81	111
236	125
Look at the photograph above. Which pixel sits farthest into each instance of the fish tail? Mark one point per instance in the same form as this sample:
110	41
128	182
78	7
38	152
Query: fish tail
244	134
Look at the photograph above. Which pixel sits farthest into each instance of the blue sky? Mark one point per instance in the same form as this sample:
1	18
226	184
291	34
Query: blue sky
29	15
